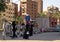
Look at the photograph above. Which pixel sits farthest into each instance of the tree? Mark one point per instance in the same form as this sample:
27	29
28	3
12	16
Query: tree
57	16
18	19
2	6
15	17
2	9
42	15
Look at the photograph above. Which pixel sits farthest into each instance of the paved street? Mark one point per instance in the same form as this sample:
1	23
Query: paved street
46	36
49	36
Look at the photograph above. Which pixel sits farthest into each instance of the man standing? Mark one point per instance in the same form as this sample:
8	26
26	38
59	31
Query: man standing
14	29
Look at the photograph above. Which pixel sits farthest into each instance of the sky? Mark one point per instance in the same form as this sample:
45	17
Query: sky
46	3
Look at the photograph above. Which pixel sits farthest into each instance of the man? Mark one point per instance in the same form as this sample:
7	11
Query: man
14	29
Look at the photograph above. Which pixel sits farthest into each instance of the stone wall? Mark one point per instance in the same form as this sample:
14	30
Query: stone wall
43	22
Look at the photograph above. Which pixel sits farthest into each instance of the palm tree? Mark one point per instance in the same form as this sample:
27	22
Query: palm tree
57	16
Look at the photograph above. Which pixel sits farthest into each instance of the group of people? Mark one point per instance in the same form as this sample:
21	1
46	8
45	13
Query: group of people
22	30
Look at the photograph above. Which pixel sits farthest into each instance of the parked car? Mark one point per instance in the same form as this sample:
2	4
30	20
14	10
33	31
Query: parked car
43	30
53	29
57	27
50	30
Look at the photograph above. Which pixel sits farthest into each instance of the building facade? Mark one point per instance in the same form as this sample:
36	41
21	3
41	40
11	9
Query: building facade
31	7
43	22
40	5
12	10
7	1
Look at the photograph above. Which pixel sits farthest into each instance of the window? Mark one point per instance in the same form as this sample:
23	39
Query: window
9	16
9	12
9	8
12	9
3	14
23	10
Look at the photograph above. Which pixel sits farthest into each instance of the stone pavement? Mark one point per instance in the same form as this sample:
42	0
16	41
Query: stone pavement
43	37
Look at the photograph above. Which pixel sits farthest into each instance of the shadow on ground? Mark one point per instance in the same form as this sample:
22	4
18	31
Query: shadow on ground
49	36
